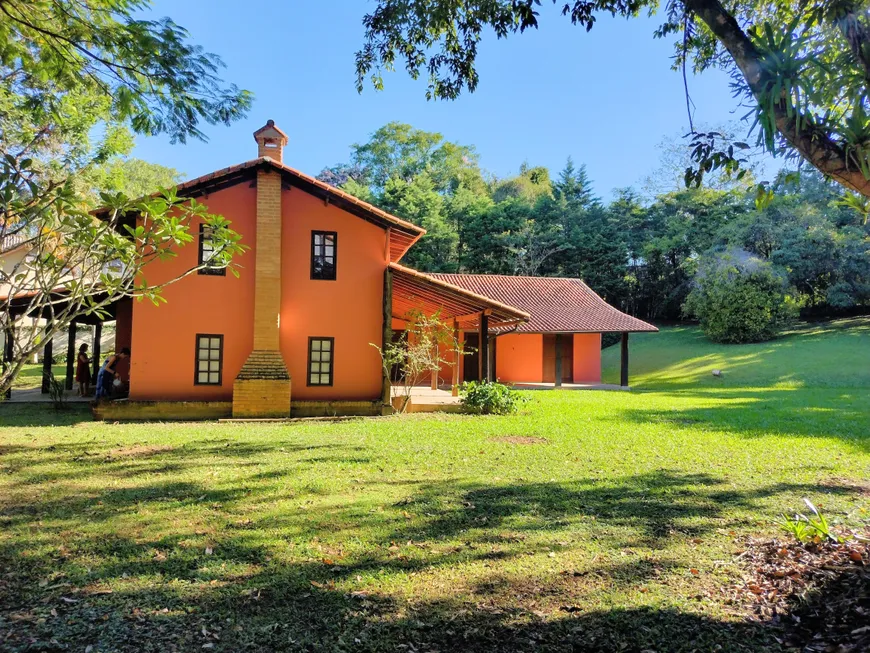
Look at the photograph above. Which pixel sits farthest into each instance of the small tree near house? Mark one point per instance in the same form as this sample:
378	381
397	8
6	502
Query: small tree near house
419	353
78	78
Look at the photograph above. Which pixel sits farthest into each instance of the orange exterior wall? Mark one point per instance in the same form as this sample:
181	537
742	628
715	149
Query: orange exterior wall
520	358
448	355
164	337
587	358
349	309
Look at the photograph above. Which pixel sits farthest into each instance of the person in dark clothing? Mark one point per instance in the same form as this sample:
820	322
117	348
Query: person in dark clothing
108	373
83	371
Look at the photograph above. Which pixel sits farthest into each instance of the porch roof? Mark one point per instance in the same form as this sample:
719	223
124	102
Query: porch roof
21	305
556	305
413	290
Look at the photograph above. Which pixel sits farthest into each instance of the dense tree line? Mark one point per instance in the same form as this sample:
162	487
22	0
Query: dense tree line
641	254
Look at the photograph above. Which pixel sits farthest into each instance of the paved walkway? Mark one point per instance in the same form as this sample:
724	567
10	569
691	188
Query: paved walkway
35	396
570	386
426	400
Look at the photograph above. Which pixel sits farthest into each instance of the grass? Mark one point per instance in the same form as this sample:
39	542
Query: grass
437	533
31	376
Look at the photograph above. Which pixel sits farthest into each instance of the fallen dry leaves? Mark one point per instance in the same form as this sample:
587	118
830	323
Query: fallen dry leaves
818	593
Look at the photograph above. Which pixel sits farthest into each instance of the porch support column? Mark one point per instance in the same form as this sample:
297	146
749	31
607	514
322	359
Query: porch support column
483	354
387	338
623	367
47	360
70	355
558	381
95	351
435	372
454	390
8	343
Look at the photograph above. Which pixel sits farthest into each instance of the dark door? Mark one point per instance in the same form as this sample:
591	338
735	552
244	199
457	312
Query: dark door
396	369
566	344
471	361
549	358
566	349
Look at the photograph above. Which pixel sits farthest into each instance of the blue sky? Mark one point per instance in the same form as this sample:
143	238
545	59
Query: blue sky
606	97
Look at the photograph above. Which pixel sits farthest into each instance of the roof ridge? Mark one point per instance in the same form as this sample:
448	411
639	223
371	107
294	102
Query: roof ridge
507	276
250	163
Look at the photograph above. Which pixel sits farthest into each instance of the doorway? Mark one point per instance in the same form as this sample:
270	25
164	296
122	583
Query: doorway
563	343
471	360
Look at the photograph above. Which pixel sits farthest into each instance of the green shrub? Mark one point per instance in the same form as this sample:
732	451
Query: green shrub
489	398
739	299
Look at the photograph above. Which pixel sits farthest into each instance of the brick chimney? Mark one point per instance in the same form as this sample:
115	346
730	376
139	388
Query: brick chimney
262	388
270	141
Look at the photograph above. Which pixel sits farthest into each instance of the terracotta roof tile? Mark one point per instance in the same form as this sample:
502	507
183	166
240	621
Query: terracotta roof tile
556	305
417	290
405	233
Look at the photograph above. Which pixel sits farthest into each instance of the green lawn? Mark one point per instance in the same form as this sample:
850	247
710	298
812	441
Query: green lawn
31	376
619	532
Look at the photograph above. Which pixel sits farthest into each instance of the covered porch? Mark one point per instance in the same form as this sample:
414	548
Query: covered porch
467	312
20	311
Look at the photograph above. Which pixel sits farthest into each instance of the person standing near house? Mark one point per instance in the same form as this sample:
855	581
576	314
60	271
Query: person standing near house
108	373
83	371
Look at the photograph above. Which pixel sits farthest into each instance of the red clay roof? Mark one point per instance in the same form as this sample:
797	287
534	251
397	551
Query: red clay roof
413	290
403	234
556	305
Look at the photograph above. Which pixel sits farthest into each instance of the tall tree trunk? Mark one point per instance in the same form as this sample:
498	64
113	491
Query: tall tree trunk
813	142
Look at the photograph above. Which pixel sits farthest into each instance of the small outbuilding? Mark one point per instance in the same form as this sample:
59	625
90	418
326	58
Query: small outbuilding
561	341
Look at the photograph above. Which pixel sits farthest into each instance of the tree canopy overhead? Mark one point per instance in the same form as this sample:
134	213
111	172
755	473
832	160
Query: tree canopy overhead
147	71
803	67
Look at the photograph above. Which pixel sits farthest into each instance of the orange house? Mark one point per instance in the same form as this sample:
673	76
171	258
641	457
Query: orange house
320	284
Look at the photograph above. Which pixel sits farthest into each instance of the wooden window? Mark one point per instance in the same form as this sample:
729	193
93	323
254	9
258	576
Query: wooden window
207	251
321	354
324	247
209	359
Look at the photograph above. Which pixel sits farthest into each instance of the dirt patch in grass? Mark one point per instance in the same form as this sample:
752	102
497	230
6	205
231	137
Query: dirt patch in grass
858	488
519	439
138	451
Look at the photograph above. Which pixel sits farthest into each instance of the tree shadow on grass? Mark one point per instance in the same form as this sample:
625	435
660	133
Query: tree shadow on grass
80	460
285	609
78	572
654	506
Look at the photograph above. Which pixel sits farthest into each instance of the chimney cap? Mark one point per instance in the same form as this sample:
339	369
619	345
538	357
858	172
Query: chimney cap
270	133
